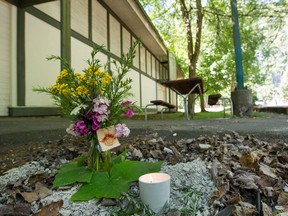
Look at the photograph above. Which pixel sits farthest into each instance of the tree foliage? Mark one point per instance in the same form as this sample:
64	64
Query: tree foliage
262	38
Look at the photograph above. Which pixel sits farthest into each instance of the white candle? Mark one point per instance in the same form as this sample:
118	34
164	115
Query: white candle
155	190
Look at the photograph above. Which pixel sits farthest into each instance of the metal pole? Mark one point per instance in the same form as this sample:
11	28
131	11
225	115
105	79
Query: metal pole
185	108
237	46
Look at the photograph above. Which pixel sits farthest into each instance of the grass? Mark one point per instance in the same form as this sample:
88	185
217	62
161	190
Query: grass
198	115
180	115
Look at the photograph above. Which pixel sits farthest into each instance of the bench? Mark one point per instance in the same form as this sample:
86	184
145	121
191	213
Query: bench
214	98
159	103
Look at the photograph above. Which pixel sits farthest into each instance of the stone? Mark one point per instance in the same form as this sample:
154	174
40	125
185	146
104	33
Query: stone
137	153
204	146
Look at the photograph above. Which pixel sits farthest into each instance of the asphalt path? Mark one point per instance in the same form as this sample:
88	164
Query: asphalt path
21	130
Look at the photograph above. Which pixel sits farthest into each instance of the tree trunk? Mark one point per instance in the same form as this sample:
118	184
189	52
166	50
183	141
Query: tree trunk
193	54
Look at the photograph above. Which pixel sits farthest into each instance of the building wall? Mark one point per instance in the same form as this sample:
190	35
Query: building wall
148	88
42	36
5	55
41	41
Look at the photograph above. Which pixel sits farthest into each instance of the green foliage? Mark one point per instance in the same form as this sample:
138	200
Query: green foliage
103	184
263	39
120	158
190	201
130	205
71	173
180	115
75	93
132	170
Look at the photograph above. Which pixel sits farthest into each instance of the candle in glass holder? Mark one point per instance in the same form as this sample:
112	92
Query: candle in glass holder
155	190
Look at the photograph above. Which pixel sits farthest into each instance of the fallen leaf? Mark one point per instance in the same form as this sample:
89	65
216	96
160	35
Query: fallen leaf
282	198
266	181
29	196
234	199
268	191
267	211
42	191
137	153
42	177
17	209
246	180
108	202
157	154
249	160
214	170
244	208
266	170
221	191
51	209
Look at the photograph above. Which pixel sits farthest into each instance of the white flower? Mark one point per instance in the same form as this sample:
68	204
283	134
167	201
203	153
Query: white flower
77	109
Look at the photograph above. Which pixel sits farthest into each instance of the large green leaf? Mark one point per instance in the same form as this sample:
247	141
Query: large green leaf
71	173
132	170
102	185
120	158
121	174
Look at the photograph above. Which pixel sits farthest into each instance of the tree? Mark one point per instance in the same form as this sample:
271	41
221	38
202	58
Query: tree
190	12
260	22
193	46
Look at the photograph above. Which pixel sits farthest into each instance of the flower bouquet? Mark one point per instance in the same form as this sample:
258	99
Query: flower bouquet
95	100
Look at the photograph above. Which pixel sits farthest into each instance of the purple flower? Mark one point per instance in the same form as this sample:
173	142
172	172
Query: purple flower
100	109
95	125
122	130
124	103
129	112
78	129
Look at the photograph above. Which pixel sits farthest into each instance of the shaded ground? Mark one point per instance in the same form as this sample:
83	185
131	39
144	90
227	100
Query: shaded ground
245	170
255	156
26	139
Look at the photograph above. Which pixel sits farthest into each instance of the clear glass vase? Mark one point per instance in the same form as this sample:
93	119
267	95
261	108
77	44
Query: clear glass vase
97	160
94	154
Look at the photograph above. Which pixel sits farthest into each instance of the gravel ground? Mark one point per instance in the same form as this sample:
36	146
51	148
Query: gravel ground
192	175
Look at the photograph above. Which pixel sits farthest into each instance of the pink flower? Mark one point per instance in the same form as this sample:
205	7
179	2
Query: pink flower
126	131
78	129
95	125
129	112
101	109
122	130
124	103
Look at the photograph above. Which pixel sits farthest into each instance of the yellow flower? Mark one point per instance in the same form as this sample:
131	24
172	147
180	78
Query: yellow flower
63	73
90	82
82	90
83	77
92	69
54	89
106	79
66	92
99	72
77	75
63	86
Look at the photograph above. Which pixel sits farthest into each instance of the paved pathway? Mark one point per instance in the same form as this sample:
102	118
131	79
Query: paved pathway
14	131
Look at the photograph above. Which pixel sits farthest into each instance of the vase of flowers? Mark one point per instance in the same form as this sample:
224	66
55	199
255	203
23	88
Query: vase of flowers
95	100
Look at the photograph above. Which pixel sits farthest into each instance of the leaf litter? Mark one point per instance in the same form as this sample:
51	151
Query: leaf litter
250	175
